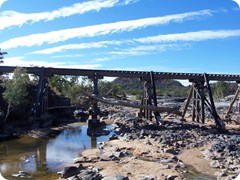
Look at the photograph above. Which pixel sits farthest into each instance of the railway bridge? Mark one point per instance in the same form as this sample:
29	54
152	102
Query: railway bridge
200	93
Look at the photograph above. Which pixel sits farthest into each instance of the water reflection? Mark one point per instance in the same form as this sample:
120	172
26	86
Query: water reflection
43	158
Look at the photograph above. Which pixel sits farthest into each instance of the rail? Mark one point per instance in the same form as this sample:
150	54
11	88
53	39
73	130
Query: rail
145	75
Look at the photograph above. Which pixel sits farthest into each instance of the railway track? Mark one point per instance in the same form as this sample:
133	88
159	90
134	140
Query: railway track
145	75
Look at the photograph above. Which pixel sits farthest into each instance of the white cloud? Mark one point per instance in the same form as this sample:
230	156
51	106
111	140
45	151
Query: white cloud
101	44
158	47
2	2
12	18
126	2
68	56
96	30
133	48
20	61
148	49
102	59
238	2
191	36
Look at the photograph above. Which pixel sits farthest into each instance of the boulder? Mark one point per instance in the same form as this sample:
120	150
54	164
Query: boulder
117	177
70	171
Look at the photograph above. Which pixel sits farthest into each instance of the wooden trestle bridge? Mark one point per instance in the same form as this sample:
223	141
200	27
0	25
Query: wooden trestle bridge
200	93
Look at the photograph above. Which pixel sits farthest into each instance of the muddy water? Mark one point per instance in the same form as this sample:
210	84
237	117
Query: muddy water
43	158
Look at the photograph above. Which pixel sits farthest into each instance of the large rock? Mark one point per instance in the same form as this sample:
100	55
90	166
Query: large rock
117	177
89	175
70	171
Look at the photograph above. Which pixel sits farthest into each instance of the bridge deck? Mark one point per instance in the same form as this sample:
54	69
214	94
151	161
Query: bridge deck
127	74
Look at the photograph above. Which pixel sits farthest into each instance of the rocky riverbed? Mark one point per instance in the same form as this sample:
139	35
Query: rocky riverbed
140	149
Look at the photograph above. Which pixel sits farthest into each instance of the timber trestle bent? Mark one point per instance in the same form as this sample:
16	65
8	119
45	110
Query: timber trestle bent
200	92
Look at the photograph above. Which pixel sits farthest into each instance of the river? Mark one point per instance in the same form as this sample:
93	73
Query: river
43	158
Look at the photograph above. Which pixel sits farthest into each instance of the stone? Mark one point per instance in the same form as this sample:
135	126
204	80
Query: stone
163	139
120	154
70	171
81	115
80	160
230	148
171	151
223	173
149	178
170	177
215	164
89	175
147	142
180	165
237	177
22	174
166	161
113	137
103	157
113	158
117	177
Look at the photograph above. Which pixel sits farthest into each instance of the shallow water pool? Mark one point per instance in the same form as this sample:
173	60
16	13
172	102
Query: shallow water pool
43	158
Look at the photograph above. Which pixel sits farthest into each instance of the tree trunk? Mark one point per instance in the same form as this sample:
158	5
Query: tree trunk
172	110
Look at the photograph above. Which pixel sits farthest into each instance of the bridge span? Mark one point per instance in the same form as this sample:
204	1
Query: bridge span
48	72
200	93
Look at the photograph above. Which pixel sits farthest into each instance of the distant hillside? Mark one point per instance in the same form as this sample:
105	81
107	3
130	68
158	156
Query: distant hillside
174	88
164	87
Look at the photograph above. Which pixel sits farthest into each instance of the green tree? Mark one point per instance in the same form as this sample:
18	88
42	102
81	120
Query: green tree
110	88
61	84
15	89
69	86
221	89
87	83
74	93
56	84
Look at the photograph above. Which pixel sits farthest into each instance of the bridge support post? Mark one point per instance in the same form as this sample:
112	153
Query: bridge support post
150	98
146	100
154	97
194	104
198	102
44	99
219	123
94	121
197	92
39	110
202	96
229	111
36	105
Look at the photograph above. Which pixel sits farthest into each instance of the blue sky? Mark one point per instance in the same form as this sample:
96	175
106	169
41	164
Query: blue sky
147	35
